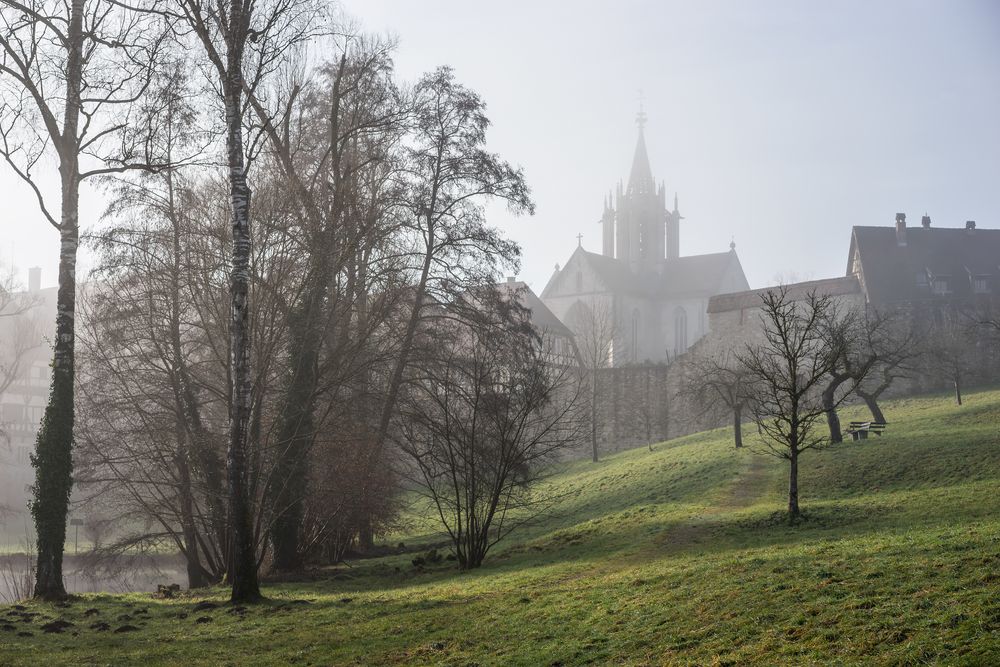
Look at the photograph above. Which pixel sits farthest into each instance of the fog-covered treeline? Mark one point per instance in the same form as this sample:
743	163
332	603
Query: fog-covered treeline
292	233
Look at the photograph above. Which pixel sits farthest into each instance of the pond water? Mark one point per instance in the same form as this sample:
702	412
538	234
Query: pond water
130	575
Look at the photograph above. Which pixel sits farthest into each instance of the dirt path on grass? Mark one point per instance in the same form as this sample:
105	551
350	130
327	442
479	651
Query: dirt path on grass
743	490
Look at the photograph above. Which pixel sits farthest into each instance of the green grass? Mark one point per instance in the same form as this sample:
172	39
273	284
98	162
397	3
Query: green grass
675	556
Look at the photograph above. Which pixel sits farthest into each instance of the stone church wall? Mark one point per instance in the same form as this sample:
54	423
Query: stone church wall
642	404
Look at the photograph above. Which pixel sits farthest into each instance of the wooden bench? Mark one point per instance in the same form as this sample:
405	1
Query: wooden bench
860	430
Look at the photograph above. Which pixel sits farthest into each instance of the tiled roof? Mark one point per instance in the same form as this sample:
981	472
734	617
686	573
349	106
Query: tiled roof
543	318
890	271
694	275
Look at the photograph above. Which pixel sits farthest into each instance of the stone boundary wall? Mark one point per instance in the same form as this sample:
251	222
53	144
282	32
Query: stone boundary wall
645	404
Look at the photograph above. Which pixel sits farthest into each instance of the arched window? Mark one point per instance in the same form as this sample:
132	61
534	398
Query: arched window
635	334
680	330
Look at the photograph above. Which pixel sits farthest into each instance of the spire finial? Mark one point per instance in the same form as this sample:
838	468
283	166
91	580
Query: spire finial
640	118
732	243
579	240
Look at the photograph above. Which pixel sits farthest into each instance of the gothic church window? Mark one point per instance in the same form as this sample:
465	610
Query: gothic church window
680	330
635	334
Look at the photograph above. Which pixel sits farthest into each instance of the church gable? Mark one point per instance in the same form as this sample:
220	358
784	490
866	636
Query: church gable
579	276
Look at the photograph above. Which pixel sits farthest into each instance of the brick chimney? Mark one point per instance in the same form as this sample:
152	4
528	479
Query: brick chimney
901	229
34	279
511	279
970	226
925	221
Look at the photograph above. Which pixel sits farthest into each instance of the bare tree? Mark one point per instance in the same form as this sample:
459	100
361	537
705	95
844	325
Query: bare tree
986	318
720	382
244	43
139	345
155	366
875	350
951	350
484	418
893	346
788	370
595	328
71	74
449	176
333	139
847	331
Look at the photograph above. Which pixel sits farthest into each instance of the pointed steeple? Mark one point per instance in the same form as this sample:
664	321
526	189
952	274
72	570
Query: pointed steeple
640	179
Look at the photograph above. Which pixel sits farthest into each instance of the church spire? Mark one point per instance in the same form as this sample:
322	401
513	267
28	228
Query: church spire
640	179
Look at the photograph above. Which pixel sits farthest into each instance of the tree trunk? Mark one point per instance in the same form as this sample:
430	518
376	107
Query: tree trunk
871	400
296	430
958	390
305	323
196	573
829	406
738	425
366	537
53	458
197	576
295	437
402	361
793	485
243	562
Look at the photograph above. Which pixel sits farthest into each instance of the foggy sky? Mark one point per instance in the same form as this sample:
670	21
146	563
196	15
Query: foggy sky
779	124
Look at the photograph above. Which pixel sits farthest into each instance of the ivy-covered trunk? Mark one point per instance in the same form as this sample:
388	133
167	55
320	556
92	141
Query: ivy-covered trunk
53	457
296	432
306	327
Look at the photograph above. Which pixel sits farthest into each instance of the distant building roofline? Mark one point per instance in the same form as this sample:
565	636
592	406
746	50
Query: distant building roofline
752	298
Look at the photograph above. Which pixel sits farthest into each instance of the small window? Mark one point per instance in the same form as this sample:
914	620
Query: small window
939	286
980	285
921	279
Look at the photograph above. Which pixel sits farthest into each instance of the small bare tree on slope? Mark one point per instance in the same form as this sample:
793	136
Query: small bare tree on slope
789	370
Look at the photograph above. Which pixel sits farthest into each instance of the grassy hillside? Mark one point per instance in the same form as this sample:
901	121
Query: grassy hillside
675	556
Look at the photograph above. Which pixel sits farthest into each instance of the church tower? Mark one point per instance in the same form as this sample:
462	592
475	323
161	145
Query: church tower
639	229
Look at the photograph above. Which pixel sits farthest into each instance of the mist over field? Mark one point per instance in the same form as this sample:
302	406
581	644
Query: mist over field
445	333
